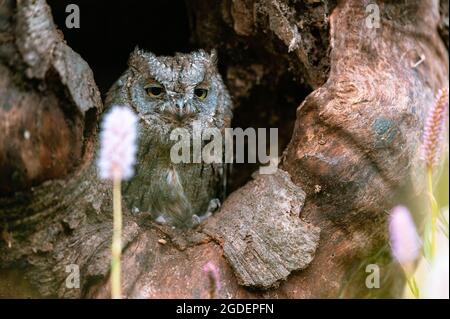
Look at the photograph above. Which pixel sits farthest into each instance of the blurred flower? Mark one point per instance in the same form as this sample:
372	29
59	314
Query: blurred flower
434	129
437	280
405	242
118	143
212	272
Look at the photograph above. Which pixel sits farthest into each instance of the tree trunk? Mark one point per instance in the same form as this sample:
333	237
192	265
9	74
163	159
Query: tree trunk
307	231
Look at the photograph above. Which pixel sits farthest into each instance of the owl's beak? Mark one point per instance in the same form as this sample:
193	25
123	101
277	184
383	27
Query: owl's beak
180	107
180	112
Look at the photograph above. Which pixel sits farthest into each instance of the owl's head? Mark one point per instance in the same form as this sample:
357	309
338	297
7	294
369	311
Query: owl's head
179	89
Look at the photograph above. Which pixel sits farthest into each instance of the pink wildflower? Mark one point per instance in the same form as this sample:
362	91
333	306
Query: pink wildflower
118	144
405	242
434	129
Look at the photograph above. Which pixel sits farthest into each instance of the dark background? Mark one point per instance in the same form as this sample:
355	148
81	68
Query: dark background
110	30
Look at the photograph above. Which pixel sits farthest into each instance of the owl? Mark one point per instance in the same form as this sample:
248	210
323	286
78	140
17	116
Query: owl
170	92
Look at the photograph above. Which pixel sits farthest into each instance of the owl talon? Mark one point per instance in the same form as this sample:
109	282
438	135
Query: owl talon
196	220
214	205
161	220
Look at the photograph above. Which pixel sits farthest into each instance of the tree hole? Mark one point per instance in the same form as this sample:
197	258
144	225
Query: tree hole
262	82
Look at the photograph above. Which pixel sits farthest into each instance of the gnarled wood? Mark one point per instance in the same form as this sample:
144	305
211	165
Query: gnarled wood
354	148
265	240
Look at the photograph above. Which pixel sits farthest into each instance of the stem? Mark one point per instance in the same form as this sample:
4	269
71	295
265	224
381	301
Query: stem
434	210
412	284
212	286
116	241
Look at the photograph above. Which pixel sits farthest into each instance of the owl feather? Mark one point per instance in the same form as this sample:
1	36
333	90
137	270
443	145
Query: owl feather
169	92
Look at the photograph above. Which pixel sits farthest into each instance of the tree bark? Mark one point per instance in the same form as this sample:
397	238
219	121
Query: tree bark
308	231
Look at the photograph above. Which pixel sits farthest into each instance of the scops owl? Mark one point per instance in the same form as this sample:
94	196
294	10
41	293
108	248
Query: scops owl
169	92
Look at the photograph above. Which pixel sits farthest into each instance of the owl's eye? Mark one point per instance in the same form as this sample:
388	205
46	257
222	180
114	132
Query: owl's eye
201	93
154	90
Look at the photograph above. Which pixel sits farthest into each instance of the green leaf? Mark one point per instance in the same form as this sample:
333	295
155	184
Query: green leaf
427	245
443	226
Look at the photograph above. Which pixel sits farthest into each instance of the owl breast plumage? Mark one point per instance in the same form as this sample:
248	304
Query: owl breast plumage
170	92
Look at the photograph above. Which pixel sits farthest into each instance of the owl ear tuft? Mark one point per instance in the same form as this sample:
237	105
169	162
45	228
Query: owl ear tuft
213	57
138	58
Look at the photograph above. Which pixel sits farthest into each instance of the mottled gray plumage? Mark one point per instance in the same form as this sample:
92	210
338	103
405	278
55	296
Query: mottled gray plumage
169	92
